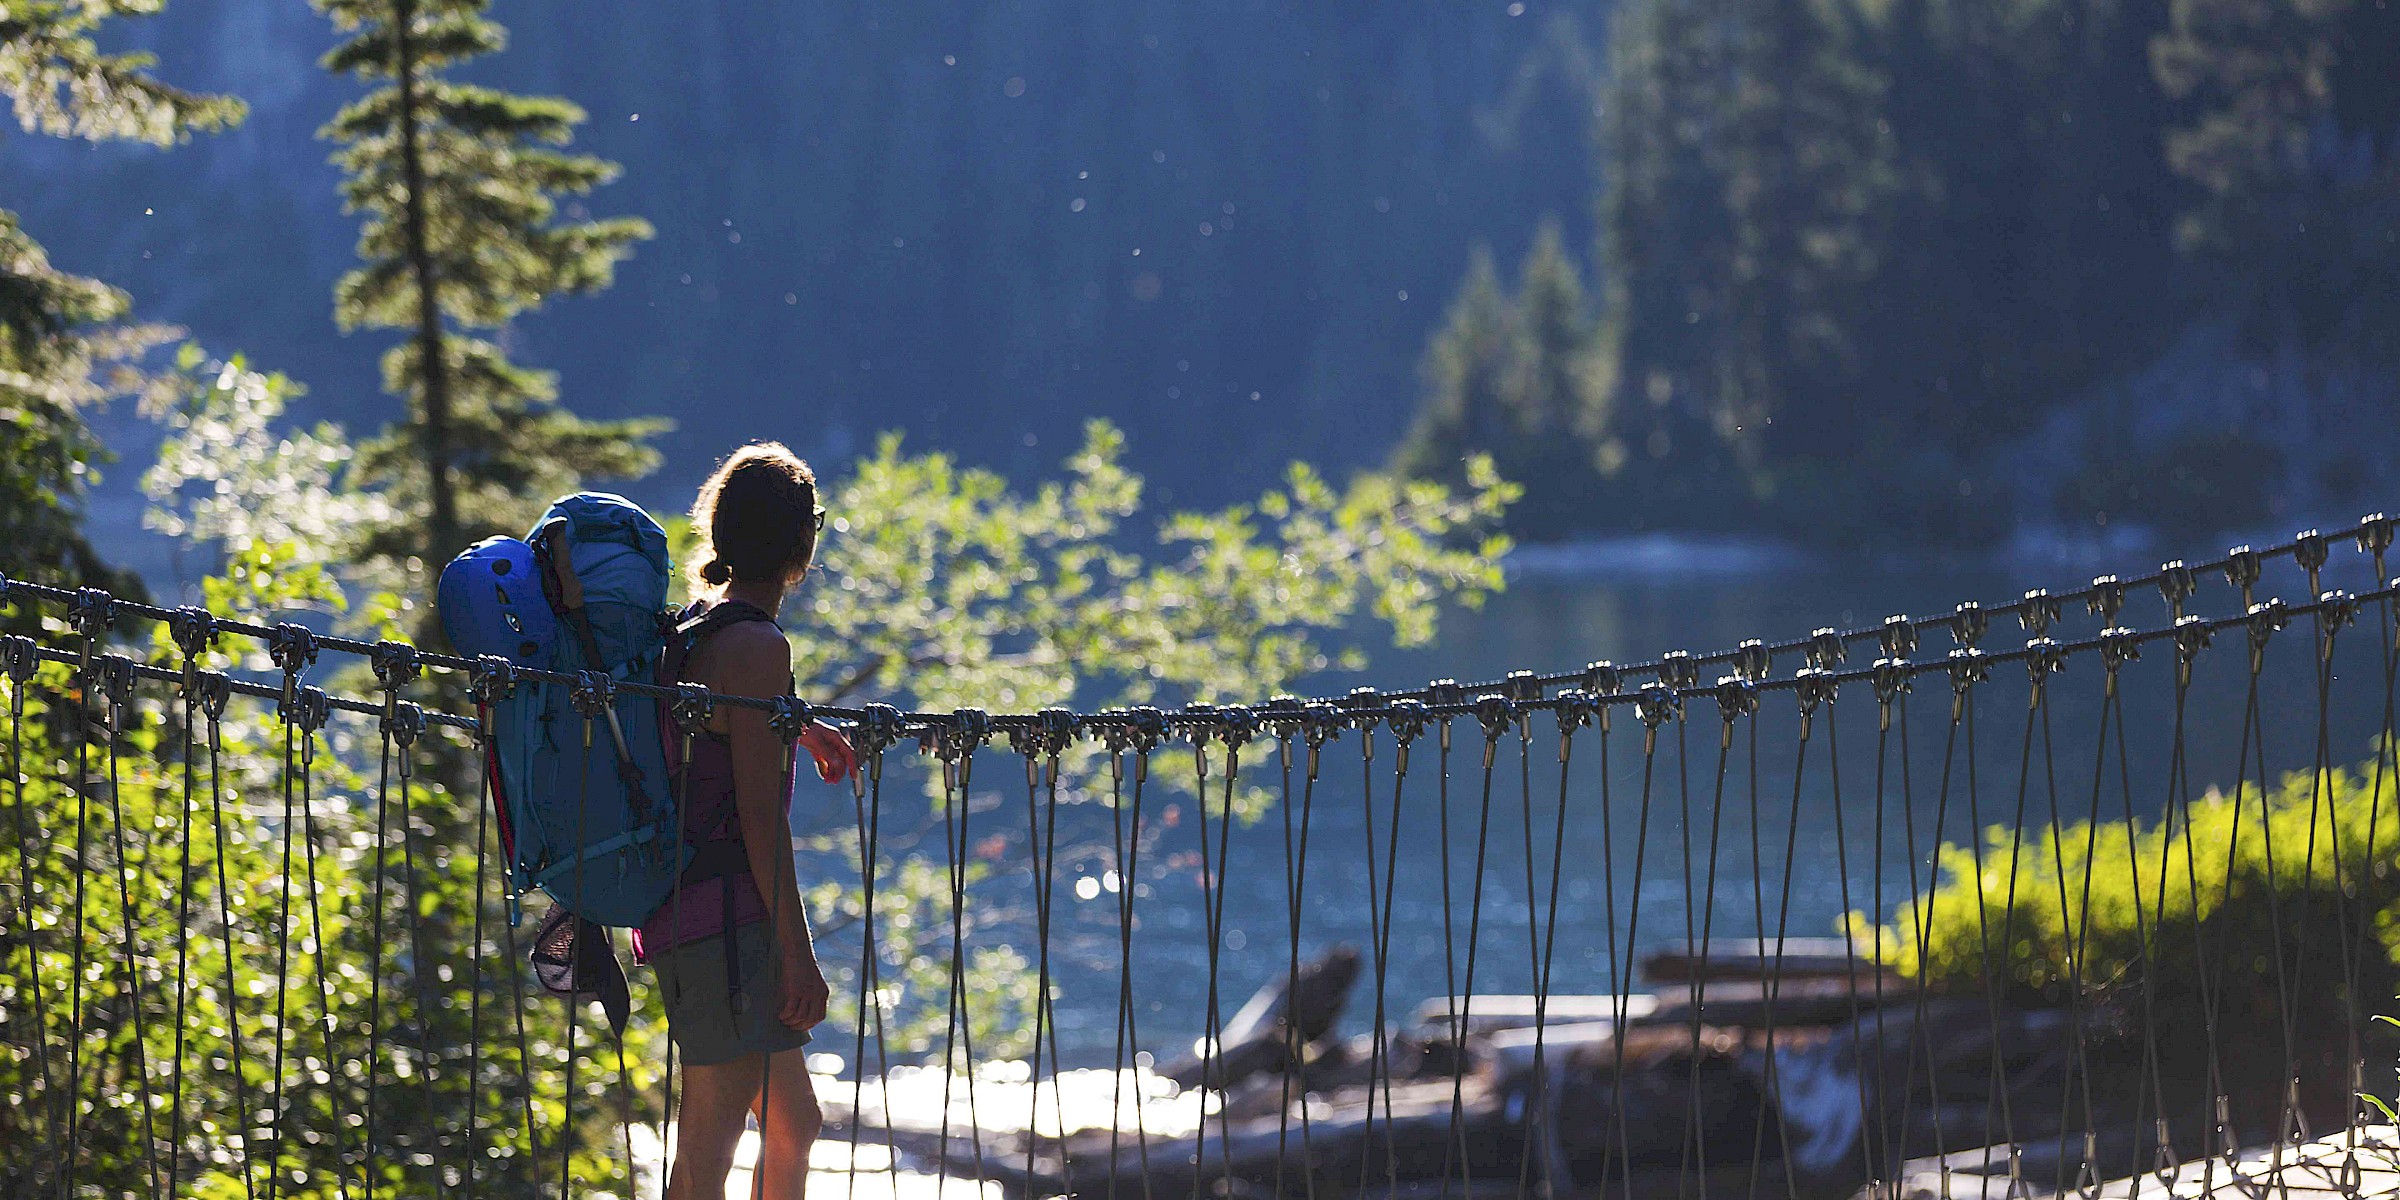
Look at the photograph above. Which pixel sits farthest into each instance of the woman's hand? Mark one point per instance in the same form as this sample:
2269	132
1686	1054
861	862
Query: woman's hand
836	761
804	990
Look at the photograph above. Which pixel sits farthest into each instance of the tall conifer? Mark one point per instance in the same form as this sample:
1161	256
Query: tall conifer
63	347
459	187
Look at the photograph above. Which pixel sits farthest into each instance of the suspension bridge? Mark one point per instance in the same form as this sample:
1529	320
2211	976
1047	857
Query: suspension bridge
2102	904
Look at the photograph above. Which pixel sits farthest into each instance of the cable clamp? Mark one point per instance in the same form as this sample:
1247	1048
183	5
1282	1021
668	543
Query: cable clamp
1407	719
2038	612
2336	610
1364	707
2107	599
1575	709
1677	670
2242	569
1737	697
2043	658
2374	535
403	723
93	611
2310	551
594	693
1495	713
294	648
1603	679
491	679
2176	583
211	692
1236	725
694	704
396	665
2266	618
194	630
2118	646
1893	677
1282	716
1658	704
1753	661
1523	687
20	655
1968	623
1825	649
878	728
307	710
964	733
789	717
1899	636
112	678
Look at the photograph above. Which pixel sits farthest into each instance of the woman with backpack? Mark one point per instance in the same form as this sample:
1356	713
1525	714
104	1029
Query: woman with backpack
732	948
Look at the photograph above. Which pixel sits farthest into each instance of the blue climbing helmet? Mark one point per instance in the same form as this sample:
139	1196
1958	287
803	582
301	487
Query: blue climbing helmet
587	812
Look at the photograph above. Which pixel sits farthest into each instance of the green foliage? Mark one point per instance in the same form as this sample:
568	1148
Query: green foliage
2244	876
459	186
1511	378
63	348
61	83
2287	135
942	587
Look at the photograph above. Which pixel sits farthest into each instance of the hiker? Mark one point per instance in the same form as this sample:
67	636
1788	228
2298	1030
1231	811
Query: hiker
731	948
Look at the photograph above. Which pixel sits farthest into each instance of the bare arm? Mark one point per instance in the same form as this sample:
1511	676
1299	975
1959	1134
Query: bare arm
752	659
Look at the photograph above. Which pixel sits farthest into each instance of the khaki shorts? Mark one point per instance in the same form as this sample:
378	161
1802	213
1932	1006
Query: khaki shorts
712	1022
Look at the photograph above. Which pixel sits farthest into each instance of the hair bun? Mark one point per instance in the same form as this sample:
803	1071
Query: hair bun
716	572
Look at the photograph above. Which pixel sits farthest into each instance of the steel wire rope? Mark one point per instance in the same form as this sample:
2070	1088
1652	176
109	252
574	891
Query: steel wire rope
2360	946
283	952
480	743
1127	844
20	675
870	793
1659	704
2074	923
75	947
214	709
1771	986
1043	847
1466	1005
377	908
1380	914
958	1050
1295	1049
334	1066
1553	1163
2147	1085
1215	881
183	926
1692	1151
1869	1125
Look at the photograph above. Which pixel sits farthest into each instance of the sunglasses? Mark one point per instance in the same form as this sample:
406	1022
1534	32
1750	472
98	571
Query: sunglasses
819	515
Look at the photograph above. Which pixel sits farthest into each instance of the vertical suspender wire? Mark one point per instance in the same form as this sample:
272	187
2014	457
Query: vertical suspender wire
1058	1105
688	715
239	1087
2002	1104
592	702
2152	1098
2330	618
867	998
283	946
2369	866
1210	1027
129	919
1996	1118
1458	1077
1039	850
334	1066
75	946
1571	713
428	1057
1657	705
1295	883
1772	985
958	1048
1379	917
2288	1112
1536	1094
1920	905
25	900
1891	691
518	968
1127	843
1236	735
183	929
376	909
2187	648
1456	1022
1869	1126
872	964
1692	1154
2075	918
480	744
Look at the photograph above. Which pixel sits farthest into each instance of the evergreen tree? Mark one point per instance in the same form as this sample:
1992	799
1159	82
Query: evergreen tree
1465	370
63	347
2293	142
459	185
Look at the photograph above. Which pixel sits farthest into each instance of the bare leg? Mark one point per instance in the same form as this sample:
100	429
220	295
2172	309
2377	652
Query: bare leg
715	1104
788	1121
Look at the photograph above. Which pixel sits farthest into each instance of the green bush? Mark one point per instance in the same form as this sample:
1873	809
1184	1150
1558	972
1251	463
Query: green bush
2194	909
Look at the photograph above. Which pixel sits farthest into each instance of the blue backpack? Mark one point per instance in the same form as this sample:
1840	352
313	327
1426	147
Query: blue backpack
587	808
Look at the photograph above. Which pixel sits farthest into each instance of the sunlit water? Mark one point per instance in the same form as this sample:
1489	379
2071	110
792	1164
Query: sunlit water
1854	855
